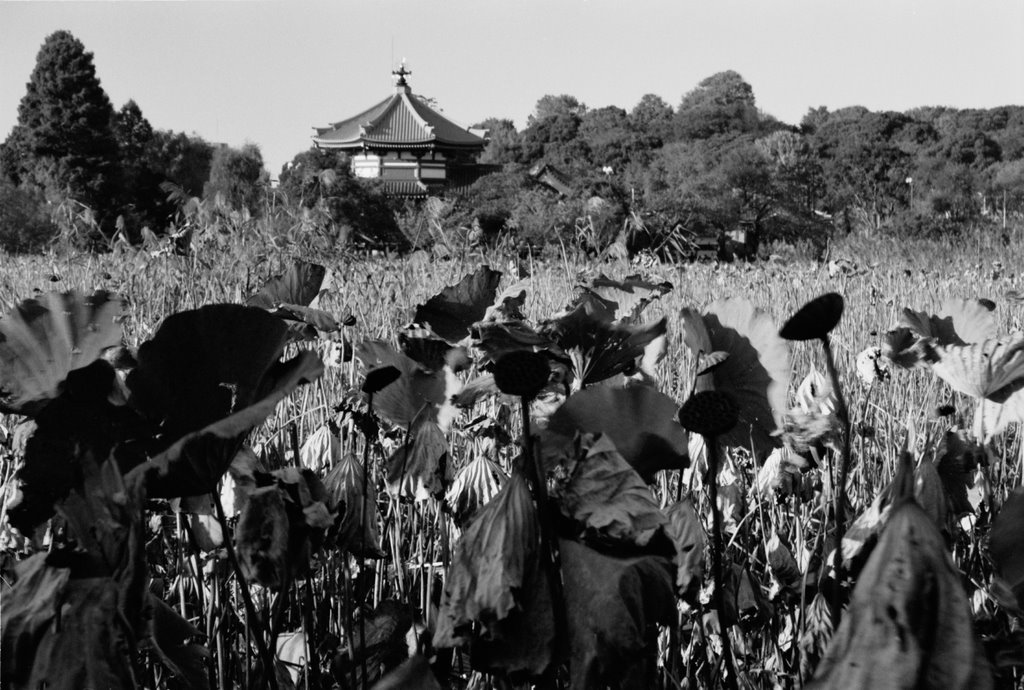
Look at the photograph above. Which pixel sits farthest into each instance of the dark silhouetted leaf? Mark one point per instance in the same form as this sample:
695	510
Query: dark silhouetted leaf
416	391
599	490
357	532
168	635
418	469
299	285
614	607
627	297
451	313
639	421
687	534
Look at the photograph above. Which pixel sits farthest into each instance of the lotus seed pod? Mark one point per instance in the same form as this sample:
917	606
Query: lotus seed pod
709	413
816	319
522	373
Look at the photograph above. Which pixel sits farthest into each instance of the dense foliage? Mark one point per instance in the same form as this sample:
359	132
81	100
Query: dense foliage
656	177
506	490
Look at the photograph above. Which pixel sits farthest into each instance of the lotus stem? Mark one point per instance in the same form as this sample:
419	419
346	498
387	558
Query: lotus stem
266	653
548	538
717	548
840	486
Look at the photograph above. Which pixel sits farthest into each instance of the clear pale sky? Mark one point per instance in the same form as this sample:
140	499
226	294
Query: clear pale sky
268	71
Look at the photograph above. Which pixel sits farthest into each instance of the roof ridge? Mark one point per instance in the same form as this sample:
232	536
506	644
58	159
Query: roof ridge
407	97
364	128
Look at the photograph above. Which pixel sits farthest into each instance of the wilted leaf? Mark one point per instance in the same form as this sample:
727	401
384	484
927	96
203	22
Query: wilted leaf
600	491
321	449
982	369
600	350
907	350
299	285
358	531
475	484
909	622
415	391
422	345
261	538
168	636
383	648
781	562
956	460
687	535
508	306
614	607
639	421
627	297
488	571
43	340
451	312
496	339
756	374
959	322
418	469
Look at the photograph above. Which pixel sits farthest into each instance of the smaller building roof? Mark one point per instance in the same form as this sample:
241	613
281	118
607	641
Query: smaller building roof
401	121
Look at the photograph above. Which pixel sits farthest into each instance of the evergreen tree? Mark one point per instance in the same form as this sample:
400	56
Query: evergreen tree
63	143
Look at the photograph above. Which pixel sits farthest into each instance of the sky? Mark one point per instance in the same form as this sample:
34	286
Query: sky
268	71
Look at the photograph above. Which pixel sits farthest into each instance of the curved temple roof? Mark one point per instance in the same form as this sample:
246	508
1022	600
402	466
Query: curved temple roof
401	120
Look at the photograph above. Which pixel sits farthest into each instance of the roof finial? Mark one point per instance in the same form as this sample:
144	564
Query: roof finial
401	73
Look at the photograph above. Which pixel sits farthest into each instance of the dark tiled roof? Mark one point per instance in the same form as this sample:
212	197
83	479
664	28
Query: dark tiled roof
401	120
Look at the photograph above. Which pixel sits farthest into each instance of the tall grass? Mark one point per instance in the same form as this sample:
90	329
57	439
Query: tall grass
877	277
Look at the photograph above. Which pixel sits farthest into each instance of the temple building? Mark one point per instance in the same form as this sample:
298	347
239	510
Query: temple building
416	150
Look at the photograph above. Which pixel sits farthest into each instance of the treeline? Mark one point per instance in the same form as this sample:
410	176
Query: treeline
717	163
73	165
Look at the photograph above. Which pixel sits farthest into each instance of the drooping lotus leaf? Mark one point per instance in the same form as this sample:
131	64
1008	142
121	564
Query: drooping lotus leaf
418	469
687	534
70	627
597	489
194	463
358	531
959	322
613	607
488	572
496	339
451	312
418	391
293	296
984	368
474	485
205	364
756	373
956	460
261	538
600	350
639	421
508	306
321	449
383	647
1006	544
520	646
816	319
424	346
299	284
909	622
43	340
905	349
168	637
627	297
79	420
